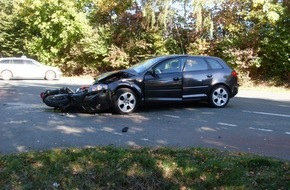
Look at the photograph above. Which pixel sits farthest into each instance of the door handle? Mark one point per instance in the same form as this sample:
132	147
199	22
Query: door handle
176	78
209	76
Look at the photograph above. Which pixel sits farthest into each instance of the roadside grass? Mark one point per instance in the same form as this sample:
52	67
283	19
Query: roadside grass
144	168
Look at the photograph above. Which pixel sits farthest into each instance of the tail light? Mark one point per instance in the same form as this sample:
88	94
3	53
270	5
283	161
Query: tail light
42	95
234	73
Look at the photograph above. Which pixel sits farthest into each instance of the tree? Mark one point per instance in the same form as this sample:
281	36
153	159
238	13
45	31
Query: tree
11	35
52	27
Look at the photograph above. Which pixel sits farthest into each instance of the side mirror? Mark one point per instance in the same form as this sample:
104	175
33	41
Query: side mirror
153	73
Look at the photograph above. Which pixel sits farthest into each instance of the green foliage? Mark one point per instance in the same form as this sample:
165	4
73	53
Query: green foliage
11	31
275	50
200	47
246	62
106	11
91	36
253	39
117	58
52	28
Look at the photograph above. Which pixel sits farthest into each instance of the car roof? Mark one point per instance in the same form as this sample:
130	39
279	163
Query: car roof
14	58
185	55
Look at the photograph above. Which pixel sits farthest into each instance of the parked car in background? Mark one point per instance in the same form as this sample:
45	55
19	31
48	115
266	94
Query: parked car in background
171	78
25	68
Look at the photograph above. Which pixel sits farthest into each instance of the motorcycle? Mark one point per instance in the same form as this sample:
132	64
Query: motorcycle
90	99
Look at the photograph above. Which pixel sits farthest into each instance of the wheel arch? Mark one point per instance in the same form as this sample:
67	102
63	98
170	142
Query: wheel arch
7	71
47	71
220	84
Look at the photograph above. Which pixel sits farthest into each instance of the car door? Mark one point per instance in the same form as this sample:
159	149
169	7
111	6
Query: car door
164	83
18	68
197	78
33	70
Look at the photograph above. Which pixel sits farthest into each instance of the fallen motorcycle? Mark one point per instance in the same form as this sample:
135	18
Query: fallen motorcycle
112	90
90	99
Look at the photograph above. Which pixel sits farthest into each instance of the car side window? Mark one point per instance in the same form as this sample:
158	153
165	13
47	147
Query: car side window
17	62
4	62
169	66
214	64
195	64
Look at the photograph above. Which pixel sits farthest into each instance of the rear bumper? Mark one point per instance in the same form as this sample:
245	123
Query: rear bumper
58	75
235	91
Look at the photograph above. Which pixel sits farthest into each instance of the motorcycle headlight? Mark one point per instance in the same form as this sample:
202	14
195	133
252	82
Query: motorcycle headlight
99	87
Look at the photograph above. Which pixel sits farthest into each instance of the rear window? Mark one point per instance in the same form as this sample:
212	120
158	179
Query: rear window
214	64
29	62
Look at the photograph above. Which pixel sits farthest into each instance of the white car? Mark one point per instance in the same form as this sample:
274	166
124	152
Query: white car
25	68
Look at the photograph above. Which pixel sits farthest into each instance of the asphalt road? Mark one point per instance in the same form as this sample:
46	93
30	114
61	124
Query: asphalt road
255	122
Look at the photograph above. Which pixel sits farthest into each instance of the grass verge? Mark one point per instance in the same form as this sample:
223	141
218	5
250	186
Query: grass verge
145	168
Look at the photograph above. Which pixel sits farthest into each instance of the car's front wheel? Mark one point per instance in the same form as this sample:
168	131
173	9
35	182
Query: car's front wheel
125	101
219	96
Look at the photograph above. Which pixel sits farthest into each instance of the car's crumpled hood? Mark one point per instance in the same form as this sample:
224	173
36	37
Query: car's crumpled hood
114	76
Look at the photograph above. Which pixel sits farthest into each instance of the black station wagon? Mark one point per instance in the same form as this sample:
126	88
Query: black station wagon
171	78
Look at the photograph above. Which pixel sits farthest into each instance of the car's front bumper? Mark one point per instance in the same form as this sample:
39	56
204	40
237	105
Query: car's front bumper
98	101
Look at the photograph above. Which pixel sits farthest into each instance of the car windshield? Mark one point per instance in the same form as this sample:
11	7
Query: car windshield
145	64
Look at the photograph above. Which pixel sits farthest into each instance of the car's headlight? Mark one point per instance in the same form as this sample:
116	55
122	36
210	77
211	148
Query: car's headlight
98	87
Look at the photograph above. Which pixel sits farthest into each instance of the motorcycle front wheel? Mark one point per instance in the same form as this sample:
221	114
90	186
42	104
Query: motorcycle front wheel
56	101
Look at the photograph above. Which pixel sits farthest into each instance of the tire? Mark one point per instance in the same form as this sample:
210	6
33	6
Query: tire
50	75
219	96
6	75
125	101
56	101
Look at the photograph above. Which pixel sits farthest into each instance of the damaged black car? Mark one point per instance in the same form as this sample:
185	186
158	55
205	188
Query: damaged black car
171	78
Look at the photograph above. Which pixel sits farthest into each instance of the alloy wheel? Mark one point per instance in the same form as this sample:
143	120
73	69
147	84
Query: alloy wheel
220	97
126	102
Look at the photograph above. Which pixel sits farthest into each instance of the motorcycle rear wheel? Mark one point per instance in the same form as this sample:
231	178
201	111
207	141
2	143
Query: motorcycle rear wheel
56	101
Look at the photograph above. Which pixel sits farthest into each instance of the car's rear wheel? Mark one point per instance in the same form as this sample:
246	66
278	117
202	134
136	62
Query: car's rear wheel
219	96
125	101
6	75
50	75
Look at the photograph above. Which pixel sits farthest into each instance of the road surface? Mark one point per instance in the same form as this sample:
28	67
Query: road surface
254	121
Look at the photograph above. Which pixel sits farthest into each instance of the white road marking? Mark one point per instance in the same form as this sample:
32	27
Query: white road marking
228	124
173	116
260	129
285	106
266	113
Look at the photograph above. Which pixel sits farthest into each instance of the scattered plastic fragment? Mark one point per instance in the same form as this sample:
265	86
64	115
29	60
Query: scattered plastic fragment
125	129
